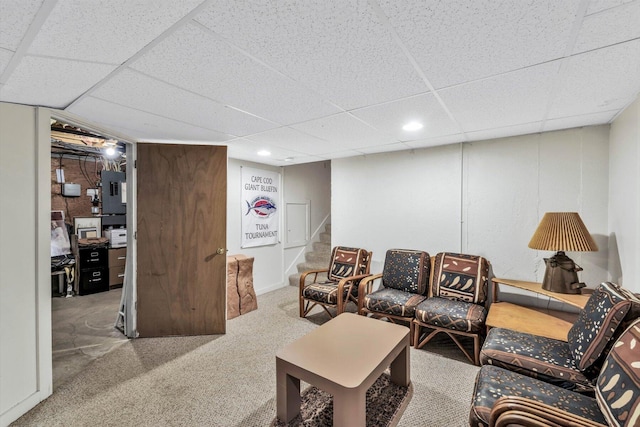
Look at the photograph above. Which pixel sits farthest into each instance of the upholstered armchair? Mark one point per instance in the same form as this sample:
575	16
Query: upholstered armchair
403	286
459	285
573	364
346	268
507	398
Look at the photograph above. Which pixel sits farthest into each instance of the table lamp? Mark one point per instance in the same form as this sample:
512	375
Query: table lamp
562	231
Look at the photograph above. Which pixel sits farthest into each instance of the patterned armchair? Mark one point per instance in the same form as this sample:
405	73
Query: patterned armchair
503	397
403	286
347	267
459	287
574	364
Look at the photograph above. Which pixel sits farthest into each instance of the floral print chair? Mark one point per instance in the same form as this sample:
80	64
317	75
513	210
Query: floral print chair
503	397
574	364
403	286
456	307
346	268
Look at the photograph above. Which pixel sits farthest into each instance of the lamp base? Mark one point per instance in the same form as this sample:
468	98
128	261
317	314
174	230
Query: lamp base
561	275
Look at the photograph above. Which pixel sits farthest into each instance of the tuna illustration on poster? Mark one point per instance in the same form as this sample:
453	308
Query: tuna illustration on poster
260	207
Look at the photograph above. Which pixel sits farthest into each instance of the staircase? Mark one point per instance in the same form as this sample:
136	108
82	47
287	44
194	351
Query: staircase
316	259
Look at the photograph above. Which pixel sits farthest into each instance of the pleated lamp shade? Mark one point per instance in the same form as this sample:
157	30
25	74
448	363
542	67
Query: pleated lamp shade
562	231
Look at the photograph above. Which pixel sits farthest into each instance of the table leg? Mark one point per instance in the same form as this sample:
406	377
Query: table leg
287	394
349	408
400	368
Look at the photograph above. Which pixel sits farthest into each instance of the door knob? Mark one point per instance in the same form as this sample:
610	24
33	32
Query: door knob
221	251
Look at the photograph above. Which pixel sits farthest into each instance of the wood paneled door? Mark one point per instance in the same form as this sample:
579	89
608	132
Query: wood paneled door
181	239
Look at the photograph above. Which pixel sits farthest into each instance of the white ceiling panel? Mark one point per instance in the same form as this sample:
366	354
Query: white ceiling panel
15	18
343	131
396	146
292	139
425	109
195	59
53	82
459	40
599	5
248	150
141	125
440	140
144	93
513	98
578	121
598	81
609	27
5	57
522	129
339	49
106	30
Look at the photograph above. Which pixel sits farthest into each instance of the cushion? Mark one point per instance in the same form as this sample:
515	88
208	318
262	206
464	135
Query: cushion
324	292
460	277
393	302
618	386
346	262
538	357
455	315
493	383
406	270
596	324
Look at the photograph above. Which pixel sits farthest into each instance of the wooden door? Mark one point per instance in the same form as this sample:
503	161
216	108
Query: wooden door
182	221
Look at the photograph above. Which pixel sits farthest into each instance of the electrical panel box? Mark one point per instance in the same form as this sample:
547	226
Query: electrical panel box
71	190
113	193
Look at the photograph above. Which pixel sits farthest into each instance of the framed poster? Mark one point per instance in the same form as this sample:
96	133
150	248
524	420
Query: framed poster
260	207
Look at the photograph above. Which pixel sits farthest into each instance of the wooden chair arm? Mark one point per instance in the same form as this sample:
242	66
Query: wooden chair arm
364	289
347	281
304	275
520	411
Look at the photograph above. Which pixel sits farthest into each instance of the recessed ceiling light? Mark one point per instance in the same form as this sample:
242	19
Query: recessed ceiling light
411	126
288	159
110	151
264	153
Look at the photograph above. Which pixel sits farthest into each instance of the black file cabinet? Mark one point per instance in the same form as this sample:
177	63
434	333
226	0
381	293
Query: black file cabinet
94	270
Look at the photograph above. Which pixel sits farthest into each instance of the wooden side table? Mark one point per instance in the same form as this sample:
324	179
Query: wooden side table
537	321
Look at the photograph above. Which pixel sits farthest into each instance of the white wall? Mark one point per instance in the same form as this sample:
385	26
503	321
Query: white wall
624	198
25	279
307	182
499	188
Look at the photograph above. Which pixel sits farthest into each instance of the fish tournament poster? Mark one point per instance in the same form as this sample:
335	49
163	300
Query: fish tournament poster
260	207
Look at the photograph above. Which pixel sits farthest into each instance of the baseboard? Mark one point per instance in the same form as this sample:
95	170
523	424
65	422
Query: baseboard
15	412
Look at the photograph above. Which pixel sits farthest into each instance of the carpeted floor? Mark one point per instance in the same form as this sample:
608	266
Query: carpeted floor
229	380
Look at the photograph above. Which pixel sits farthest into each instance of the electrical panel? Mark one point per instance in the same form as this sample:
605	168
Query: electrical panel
113	193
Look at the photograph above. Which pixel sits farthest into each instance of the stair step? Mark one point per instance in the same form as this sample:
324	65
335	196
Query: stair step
318	257
325	237
322	247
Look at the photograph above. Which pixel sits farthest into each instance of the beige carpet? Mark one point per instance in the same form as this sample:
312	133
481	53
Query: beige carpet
229	380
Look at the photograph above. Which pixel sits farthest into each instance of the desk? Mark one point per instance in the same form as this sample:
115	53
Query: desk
344	357
537	321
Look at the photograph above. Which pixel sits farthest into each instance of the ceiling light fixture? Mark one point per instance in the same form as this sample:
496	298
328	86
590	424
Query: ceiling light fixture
264	153
411	126
110	151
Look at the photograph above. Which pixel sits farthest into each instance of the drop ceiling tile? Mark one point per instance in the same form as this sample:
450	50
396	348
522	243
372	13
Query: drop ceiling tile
290	139
15	18
494	133
343	131
578	121
5	57
51	82
609	27
591	84
598	5
144	93
339	49
247	150
106	30
459	41
197	60
434	142
517	97
344	154
389	118
141	125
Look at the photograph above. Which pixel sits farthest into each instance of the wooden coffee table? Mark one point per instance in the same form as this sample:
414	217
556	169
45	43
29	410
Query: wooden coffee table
343	357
